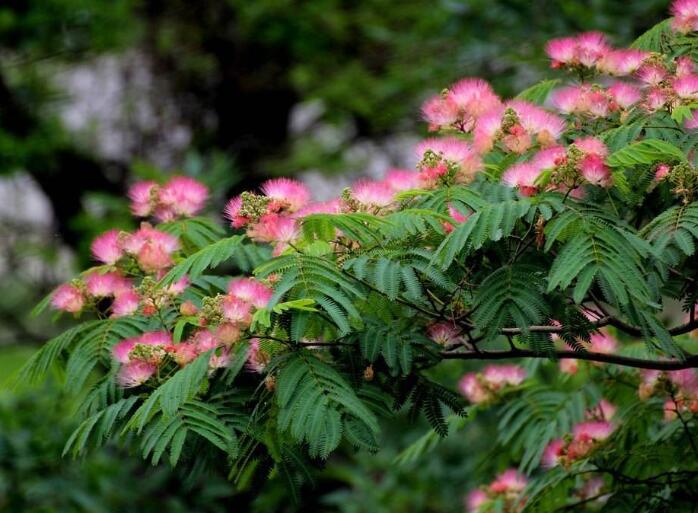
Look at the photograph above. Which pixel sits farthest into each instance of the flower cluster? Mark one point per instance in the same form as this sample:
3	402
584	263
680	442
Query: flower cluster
685	13
599	342
591	50
484	387
584	439
181	196
507	490
680	388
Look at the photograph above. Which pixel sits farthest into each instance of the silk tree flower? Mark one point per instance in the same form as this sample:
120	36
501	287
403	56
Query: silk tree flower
499	376
553	453
569	366
472	388
447	156
257	358
135	373
143	196
183	353
475	500
662	171
686	87
571	99
121	351
182	196
286	194
685	66
69	298
685	13
333	206
152	248
655	99
232	213
444	333
460	105
373	194
178	287
595	171
509	481
522	176
250	291
652	74
602	342
125	303
604	410
236	310
592	146
586	49
624	95
220	360
401	180
106	284
439	112
106	248
622	62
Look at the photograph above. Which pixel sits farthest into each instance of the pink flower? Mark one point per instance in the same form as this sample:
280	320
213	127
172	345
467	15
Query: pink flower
451	152
569	366
232	213
602	342
251	291
522	176
604	410
592	146
106	249
622	62
571	99
652	74
692	123
591	48
257	359
499	376
443	333
685	66
401	180
662	172
686	87
155	338
475	500
373	194
181	196
178	287
152	248
143	197
326	207
204	341
562	51
183	353
508	481
625	95
473	96
219	361
439	112
655	100
135	373
553	452
125	303
685	13
106	284
596	430
121	350
68	298
286	193
595	171
236	310
473	390
456	215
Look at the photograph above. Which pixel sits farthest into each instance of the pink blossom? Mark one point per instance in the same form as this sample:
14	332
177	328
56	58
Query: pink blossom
692	123
596	430
106	284
152	248
569	366
602	342
591	47
143	197
219	361
181	196
523	176
571	99
204	341
121	350
562	51
685	66
473	390
155	338
508	481
184	352
443	333
286	193
655	99
662	172
553	452
439	112
68	298
228	333
499	376
592	146
106	249
373	194
135	373
257	359
125	303
251	291
474	96
178	287
475	499
456	215
333	206
685	13
652	74
624	95
622	62
537	121
595	171
686	87
401	180
455	152
232	213
236	310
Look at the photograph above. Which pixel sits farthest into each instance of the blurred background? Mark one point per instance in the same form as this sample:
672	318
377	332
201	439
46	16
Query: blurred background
97	93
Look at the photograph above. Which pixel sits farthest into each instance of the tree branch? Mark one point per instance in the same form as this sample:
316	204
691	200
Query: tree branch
691	362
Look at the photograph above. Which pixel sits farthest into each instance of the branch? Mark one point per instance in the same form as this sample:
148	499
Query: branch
691	362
